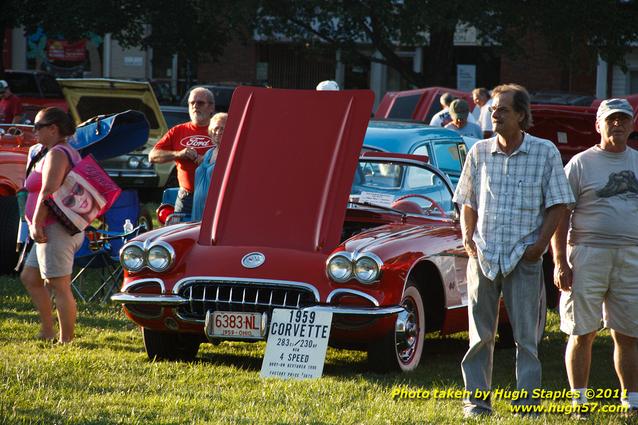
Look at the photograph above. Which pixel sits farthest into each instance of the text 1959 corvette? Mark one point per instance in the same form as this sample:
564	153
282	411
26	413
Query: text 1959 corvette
295	219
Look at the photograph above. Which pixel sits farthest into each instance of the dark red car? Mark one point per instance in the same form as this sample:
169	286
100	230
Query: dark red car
417	104
286	226
36	90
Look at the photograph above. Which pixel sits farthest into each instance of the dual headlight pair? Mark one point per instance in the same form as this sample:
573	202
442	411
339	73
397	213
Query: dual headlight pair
140	161
344	266
157	256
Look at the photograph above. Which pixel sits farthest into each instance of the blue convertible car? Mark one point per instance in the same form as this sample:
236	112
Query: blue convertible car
445	148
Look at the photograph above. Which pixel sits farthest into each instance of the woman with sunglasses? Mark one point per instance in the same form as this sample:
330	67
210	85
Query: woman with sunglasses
49	264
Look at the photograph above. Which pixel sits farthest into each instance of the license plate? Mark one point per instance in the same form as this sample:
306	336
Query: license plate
239	325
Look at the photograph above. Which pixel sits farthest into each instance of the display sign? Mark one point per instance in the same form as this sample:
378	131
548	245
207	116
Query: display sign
63	50
376	198
297	344
465	77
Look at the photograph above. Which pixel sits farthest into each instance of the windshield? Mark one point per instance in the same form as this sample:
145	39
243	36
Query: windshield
90	106
175	117
409	188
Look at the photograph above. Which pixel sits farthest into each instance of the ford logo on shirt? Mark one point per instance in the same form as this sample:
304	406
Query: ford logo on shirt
196	142
253	260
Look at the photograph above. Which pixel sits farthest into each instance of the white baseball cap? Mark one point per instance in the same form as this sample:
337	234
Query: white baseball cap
612	106
328	85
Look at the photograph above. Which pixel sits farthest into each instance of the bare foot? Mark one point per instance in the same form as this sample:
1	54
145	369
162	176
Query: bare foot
45	336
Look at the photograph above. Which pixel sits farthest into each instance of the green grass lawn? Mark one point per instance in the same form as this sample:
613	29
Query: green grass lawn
105	377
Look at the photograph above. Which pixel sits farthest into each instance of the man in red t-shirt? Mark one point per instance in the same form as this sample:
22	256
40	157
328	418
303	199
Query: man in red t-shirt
10	105
186	144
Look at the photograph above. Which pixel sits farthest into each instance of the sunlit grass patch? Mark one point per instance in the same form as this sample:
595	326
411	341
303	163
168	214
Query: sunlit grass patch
104	377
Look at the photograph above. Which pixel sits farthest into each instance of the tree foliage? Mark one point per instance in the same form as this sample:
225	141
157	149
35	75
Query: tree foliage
192	28
197	28
361	27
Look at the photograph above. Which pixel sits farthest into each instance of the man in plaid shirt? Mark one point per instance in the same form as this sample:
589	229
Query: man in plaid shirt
512	193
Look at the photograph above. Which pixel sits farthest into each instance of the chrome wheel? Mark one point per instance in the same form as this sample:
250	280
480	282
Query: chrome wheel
407	331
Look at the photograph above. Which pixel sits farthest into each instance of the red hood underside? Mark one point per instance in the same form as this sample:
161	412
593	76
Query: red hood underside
285	168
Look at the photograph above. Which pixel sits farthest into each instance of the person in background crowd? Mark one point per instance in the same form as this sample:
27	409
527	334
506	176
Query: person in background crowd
597	271
482	100
204	171
459	111
512	193
50	262
10	105
328	85
443	118
186	144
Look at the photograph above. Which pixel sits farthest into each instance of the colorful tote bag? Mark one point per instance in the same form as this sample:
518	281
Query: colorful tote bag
86	193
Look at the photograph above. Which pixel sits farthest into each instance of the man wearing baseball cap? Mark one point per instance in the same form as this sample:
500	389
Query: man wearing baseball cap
595	252
459	110
10	105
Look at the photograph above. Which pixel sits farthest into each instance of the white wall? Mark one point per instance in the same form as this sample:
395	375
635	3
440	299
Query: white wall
620	84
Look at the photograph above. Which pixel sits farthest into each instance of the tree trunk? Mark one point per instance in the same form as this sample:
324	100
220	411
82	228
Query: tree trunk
2	32
438	67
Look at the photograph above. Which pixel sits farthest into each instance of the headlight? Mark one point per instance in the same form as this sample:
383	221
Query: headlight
339	268
366	269
132	258
145	162
160	257
133	162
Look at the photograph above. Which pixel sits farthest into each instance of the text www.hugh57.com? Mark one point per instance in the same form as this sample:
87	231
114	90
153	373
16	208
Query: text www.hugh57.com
568	409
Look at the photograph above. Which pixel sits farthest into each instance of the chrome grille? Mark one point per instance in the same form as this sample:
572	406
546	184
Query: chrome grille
206	295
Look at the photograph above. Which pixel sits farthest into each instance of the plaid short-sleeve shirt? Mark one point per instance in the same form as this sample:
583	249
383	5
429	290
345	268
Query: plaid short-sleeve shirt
510	195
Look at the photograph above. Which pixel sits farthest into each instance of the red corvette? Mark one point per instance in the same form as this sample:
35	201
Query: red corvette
285	226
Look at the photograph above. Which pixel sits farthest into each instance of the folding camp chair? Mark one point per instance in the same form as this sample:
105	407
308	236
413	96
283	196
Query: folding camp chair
166	214
101	248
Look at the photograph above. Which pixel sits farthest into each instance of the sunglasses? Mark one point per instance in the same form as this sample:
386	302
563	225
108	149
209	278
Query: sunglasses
40	125
69	200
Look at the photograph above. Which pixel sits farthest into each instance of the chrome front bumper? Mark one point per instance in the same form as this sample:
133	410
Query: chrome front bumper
175	301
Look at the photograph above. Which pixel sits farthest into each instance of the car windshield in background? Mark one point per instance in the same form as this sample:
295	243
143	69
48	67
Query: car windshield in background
447	156
558	98
223	95
26	84
175	116
385	183
404	106
90	106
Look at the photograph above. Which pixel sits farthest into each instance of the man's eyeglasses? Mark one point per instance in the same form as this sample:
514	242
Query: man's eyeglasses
40	125
619	118
198	103
69	200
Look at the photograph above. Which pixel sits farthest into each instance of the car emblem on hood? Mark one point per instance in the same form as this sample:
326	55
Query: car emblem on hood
253	260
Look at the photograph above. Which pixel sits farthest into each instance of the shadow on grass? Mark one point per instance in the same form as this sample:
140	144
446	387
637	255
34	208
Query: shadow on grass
89	319
243	361
35	415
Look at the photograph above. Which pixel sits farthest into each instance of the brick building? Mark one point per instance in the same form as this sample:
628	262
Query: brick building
289	65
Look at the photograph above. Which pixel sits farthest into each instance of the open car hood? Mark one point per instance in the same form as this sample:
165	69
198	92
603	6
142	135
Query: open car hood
90	97
285	168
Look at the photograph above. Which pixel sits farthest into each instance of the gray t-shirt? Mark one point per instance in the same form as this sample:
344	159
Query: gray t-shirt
606	190
470	129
